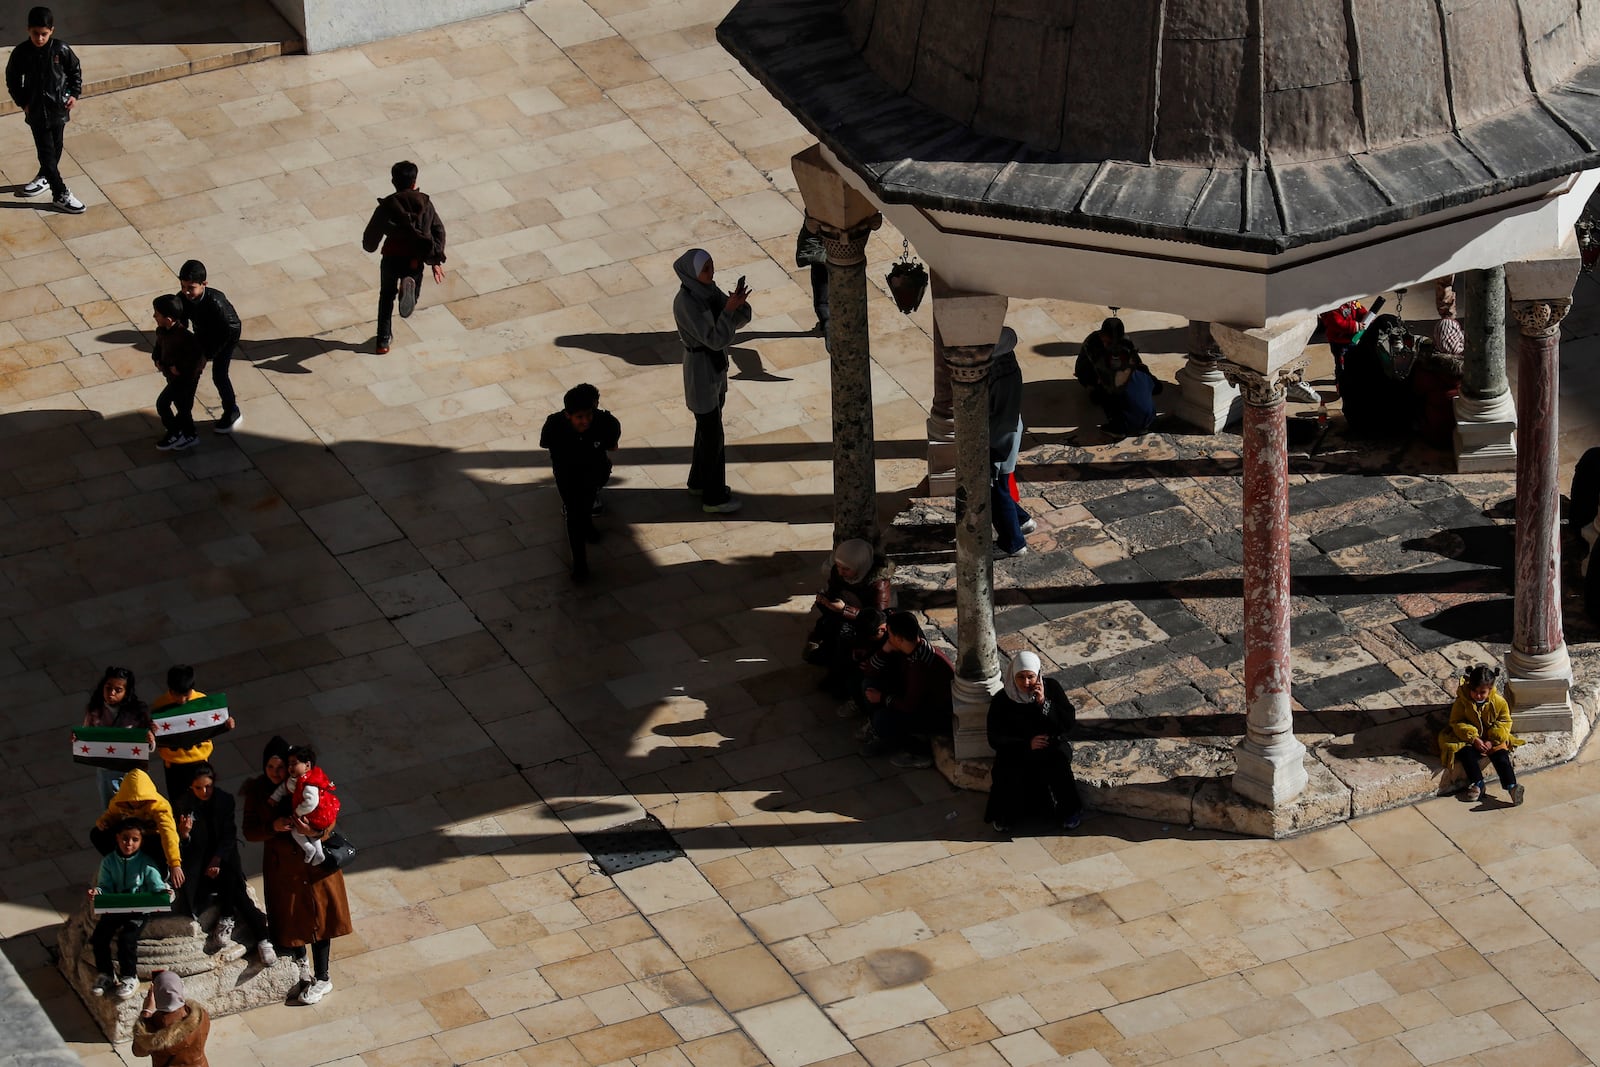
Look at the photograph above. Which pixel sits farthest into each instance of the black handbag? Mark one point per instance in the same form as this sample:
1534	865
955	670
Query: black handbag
337	852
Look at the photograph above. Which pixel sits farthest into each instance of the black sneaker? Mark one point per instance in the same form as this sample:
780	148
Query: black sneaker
229	422
599	505
185	442
408	297
168	443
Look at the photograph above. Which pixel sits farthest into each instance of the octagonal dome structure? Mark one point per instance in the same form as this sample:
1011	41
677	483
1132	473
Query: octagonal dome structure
1278	130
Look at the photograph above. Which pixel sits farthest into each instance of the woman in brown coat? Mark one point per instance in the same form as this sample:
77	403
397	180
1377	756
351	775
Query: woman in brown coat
169	1030
306	903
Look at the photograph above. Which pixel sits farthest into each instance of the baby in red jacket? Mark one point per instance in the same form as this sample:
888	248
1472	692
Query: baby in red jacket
314	799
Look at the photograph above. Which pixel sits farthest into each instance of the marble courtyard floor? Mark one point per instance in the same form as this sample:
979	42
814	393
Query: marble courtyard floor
375	562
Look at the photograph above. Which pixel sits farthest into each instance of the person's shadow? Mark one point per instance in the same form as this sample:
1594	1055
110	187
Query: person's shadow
662	347
286	355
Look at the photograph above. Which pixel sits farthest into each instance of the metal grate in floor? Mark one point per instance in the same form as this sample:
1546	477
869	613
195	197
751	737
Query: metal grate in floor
630	846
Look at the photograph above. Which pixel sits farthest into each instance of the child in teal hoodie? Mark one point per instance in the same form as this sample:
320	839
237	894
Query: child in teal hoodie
123	870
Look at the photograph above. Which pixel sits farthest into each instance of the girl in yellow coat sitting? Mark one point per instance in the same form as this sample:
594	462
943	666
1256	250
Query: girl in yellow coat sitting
1480	725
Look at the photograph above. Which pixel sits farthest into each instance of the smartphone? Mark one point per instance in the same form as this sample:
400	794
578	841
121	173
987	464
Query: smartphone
741	283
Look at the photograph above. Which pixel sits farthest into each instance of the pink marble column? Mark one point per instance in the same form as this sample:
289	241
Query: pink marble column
1538	665
1270	762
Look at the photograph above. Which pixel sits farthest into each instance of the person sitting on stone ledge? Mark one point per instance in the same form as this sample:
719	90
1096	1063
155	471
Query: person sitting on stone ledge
1480	726
907	691
856	578
1375	386
171	1029
124	870
859	638
212	871
1109	367
1029	719
137	798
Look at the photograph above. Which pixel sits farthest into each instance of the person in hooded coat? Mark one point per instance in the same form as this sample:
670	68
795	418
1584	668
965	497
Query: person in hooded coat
138	798
856	578
707	319
1109	367
1029	720
412	235
1011	522
171	1029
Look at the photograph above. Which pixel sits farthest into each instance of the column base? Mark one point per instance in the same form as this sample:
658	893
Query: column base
971	706
1274	774
1539	687
1486	435
1205	398
941	456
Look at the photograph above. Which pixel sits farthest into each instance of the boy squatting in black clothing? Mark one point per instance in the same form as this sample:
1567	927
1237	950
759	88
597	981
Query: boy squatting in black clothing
579	437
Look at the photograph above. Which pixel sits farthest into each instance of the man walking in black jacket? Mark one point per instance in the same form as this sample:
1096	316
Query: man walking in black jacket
45	79
412	235
216	327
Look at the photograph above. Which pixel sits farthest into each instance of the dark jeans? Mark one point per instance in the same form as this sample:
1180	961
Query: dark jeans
175	405
219	378
48	140
819	292
390	270
577	508
1473	764
1008	516
319	957
708	468
126	930
227	889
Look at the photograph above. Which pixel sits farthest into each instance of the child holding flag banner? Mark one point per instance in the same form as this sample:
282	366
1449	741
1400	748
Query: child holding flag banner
138	799
184	720
114	704
127	889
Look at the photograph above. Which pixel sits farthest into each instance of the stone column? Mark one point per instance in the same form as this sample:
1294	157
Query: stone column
1486	419
1270	761
941	420
845	219
1538	668
1206	398
970	324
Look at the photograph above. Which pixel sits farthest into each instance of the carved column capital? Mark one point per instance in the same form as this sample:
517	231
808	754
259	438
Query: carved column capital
845	246
1262	390
1540	318
968	363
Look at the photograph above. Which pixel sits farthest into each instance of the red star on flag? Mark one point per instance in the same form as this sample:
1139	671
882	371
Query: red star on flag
215	715
191	722
137	751
85	750
166	726
111	750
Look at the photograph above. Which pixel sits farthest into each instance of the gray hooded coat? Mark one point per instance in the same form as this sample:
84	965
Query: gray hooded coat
706	331
1005	405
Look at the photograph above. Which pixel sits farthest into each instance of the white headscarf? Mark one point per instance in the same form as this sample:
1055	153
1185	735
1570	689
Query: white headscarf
855	554
1022	661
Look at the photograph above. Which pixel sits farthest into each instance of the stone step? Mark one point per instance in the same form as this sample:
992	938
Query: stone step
226	982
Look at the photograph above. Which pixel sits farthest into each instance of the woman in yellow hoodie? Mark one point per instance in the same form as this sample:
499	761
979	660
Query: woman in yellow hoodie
1480	725
137	798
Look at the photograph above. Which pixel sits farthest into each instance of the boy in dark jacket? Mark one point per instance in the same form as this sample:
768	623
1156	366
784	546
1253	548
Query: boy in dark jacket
411	234
907	690
45	80
177	355
216	327
578	437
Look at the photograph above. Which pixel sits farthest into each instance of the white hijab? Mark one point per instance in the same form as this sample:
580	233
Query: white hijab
1022	661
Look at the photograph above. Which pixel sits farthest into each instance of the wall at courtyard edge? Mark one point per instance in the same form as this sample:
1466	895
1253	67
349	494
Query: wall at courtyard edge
329	24
31	1039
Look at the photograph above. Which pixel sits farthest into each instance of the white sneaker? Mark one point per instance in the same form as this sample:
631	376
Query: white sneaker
1029	527
127	987
304	963
266	953
69	203
315	991
221	934
1303	393
35	187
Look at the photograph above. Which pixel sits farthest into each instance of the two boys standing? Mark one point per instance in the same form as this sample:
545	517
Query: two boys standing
182	356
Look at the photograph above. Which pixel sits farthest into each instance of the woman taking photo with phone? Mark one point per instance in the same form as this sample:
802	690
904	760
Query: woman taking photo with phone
707	319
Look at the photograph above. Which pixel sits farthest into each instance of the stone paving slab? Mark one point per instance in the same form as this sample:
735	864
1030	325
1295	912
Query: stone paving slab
375	564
